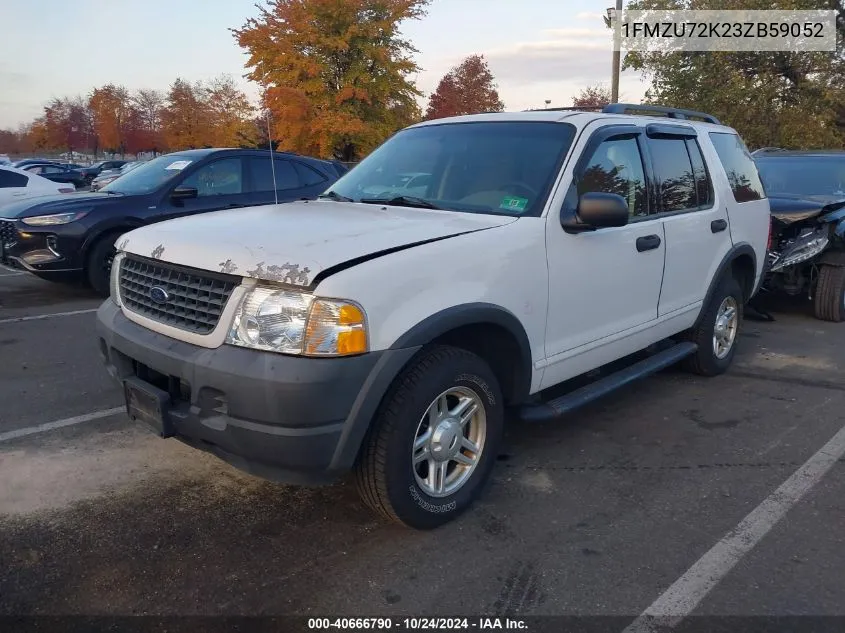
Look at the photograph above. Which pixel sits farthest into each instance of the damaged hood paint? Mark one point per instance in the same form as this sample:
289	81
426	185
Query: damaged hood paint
293	243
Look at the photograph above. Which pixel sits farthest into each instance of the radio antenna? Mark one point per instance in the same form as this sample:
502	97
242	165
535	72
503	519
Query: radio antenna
272	162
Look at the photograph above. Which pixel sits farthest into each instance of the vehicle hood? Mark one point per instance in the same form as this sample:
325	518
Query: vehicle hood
788	209
293	243
57	203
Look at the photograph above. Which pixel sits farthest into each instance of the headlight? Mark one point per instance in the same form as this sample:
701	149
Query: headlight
53	220
292	322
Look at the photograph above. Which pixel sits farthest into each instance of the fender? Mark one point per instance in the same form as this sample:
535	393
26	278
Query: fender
123	224
454	317
742	248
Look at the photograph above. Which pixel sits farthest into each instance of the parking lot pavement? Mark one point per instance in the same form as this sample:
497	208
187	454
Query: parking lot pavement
598	514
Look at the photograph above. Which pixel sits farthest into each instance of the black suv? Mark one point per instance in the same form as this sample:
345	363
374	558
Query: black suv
71	237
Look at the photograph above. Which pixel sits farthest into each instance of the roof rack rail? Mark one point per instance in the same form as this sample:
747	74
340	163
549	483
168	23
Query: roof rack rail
672	113
567	109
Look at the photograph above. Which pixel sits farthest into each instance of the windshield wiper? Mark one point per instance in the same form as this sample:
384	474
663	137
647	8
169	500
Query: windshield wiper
333	195
405	201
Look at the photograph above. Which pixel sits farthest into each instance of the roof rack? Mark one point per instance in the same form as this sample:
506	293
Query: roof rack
672	113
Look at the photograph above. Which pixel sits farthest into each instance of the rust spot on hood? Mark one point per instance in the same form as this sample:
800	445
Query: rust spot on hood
158	251
285	273
228	267
122	245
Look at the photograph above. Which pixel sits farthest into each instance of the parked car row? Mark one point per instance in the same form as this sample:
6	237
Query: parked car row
71	238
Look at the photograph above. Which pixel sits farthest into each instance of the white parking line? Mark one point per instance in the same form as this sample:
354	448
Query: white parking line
12	274
689	590
39	317
50	426
11	270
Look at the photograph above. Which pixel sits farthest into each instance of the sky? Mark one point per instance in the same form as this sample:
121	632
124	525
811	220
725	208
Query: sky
537	50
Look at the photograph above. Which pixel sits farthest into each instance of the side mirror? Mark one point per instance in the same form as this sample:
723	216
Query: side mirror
596	210
181	193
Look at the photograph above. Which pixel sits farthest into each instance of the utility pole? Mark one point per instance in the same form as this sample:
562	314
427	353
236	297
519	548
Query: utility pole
617	54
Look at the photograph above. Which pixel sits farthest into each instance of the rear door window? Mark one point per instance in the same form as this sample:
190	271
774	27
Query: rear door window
739	166
10	179
308	176
262	175
675	181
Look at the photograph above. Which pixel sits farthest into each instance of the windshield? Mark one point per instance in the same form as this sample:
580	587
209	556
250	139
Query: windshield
803	175
488	167
149	176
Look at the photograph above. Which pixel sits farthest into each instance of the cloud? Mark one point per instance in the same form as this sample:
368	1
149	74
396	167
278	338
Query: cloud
556	66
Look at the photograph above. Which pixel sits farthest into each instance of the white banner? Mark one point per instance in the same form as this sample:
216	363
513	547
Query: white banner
743	30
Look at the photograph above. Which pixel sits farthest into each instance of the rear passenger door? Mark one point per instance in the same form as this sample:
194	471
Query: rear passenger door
695	217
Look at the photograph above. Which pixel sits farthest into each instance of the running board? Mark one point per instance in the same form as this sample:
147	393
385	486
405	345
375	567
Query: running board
543	411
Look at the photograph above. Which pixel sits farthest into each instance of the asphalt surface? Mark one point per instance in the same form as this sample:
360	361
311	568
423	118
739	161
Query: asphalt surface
597	514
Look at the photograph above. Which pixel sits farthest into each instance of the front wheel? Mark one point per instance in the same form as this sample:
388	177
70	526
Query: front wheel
829	301
434	443
717	331
98	269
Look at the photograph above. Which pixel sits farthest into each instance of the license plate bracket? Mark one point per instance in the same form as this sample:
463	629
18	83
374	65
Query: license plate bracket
148	404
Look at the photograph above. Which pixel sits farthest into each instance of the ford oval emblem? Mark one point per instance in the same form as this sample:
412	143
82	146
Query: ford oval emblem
159	295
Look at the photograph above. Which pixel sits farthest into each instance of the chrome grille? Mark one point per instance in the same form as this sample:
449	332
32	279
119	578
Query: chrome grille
195	298
8	233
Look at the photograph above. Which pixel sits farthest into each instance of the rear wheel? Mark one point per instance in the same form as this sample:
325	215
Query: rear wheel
98	266
433	445
717	332
829	302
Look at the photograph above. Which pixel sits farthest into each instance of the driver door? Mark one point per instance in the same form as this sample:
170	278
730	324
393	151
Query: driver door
604	285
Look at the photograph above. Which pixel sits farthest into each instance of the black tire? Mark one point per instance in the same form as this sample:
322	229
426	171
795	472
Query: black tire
829	302
385	473
705	361
98	264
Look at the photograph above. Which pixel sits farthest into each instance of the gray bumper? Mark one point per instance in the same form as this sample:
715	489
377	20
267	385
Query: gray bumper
285	418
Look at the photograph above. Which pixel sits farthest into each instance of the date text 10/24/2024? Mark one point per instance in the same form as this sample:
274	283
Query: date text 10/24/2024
416	624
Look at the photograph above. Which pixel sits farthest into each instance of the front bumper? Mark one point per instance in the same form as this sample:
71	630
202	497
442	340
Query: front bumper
285	418
42	252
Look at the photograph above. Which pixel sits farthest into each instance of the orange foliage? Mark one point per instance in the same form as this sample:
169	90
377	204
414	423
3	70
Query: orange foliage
335	72
466	89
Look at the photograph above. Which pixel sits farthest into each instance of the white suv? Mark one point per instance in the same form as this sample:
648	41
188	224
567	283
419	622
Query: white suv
388	334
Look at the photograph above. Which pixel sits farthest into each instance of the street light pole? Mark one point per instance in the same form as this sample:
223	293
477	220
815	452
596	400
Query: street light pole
617	55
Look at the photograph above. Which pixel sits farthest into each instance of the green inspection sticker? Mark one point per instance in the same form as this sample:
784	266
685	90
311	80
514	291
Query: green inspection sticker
512	203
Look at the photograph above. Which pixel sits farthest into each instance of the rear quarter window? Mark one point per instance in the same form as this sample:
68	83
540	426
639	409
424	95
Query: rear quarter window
739	166
10	179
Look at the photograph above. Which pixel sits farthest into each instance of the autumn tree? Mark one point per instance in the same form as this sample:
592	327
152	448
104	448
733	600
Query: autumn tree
592	97
468	88
336	75
185	119
231	114
65	123
110	108
148	106
786	99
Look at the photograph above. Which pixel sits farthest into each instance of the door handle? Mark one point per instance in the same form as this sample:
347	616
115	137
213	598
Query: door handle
648	243
717	226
